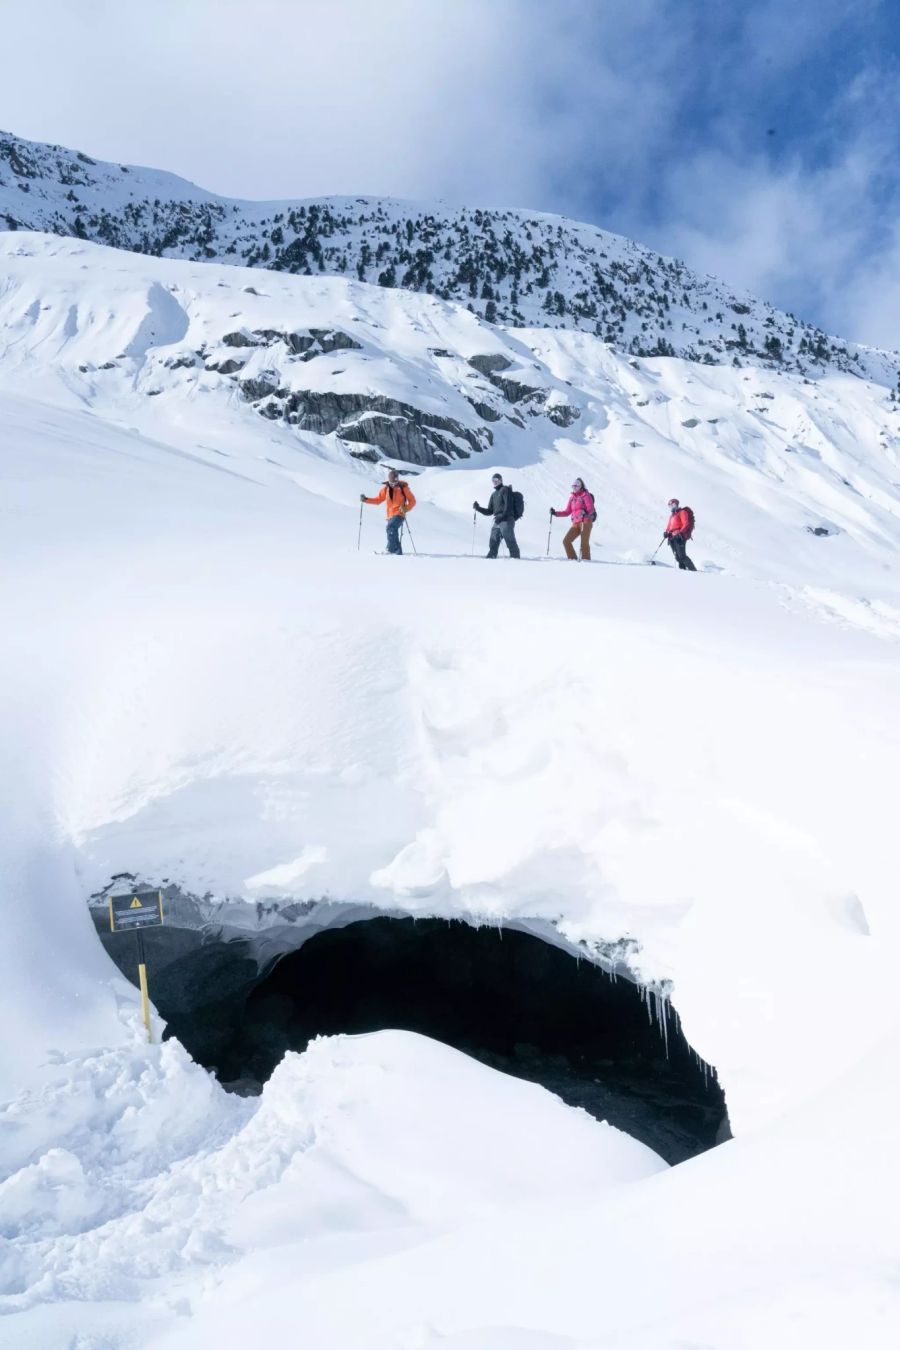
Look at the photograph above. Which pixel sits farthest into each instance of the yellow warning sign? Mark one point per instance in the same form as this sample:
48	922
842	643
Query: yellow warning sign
141	910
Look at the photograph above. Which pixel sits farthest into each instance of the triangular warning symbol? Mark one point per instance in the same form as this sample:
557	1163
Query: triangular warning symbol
135	904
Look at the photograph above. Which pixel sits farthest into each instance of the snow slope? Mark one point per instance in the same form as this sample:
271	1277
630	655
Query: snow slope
204	680
780	1241
339	1156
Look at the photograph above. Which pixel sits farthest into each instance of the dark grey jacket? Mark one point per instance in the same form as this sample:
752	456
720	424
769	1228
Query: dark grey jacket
500	505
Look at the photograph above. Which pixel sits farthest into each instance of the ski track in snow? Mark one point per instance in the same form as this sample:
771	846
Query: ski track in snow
204	680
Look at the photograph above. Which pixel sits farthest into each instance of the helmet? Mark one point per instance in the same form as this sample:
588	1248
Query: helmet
673	501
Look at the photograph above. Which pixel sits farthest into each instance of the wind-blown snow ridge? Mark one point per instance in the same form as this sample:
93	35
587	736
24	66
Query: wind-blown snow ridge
515	267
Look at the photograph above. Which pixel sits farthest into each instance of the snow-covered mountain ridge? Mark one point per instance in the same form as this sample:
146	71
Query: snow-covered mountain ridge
512	267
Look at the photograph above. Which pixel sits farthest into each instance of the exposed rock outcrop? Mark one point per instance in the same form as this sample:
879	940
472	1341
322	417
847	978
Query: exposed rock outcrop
493	366
305	344
407	438
562	414
333	340
485	411
241	338
228	367
397	429
514	391
489	362
262	386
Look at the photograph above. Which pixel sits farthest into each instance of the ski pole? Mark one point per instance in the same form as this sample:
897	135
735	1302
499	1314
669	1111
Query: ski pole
549	528
409	532
474	519
656	550
359	535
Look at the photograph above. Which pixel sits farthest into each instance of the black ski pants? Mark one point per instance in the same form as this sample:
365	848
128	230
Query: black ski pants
505	530
679	549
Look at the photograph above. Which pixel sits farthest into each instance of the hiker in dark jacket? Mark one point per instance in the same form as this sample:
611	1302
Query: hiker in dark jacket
678	531
502	509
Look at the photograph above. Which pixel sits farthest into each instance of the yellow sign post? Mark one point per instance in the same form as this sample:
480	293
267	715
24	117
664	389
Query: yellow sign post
138	911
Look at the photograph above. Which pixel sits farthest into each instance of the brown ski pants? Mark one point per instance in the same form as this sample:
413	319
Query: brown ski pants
582	528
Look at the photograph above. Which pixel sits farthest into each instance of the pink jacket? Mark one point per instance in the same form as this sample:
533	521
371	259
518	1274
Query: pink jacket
580	507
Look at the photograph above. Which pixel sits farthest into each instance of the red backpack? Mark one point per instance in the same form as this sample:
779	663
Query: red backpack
690	515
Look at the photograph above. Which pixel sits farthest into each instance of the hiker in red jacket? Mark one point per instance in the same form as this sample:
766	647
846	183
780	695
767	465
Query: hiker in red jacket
678	532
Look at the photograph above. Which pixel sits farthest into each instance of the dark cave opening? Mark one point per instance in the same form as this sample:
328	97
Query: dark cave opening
505	997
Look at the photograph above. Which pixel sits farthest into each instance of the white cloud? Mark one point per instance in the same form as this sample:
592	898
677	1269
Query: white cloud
870	303
499	101
769	229
819	239
282	99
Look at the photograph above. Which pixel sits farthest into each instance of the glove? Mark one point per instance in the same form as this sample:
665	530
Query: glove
552	512
475	506
362	496
667	534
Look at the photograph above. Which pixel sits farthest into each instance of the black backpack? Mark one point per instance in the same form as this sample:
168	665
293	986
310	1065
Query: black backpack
517	501
593	515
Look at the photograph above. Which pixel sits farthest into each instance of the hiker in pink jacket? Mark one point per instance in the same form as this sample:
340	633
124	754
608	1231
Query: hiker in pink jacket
581	508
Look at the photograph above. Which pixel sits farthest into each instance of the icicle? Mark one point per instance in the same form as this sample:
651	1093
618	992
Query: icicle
645	999
662	1008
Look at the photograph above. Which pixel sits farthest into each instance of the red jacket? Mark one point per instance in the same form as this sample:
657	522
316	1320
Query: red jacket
680	522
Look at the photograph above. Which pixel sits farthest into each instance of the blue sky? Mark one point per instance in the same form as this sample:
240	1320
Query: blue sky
770	148
757	139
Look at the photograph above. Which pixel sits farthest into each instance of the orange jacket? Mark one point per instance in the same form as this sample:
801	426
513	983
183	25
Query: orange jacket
399	499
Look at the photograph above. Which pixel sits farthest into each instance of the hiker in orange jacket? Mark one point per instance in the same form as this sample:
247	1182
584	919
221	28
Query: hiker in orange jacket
399	500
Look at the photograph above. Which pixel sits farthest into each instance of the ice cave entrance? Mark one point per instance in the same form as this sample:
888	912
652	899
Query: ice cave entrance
508	998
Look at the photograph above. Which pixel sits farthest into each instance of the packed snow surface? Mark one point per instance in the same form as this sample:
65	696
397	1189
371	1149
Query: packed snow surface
204	680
